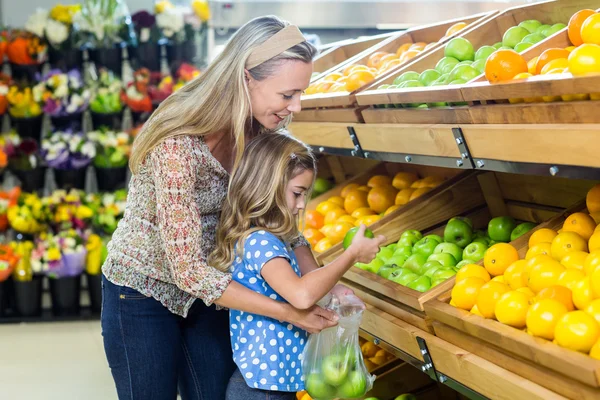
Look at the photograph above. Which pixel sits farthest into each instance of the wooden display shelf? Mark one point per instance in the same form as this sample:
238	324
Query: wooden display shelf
402	378
428	34
438	115
323	134
339	114
485	33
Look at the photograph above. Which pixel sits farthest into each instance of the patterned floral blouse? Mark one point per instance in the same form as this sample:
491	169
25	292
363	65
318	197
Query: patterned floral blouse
162	244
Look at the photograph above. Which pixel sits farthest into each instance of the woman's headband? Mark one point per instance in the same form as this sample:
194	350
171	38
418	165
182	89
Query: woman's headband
285	39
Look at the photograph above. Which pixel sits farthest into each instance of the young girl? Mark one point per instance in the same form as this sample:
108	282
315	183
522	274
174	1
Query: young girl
267	192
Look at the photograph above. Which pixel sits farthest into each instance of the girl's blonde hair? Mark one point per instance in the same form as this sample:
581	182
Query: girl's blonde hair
257	194
218	100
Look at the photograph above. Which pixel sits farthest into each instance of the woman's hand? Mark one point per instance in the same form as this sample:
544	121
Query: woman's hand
341	292
364	249
312	320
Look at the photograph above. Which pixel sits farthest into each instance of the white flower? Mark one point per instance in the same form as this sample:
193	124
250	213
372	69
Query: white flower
133	94
171	21
70	243
36	266
108	199
56	32
36	23
89	150
3	90
33	161
37	92
61	91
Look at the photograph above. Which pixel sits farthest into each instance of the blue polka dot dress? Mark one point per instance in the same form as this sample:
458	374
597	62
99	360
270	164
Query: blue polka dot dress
267	352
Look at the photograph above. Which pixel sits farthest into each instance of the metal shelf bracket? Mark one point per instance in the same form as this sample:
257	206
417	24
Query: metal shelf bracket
358	151
428	367
465	160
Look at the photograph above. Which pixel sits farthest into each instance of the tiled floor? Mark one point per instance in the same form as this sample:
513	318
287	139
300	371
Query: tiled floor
58	361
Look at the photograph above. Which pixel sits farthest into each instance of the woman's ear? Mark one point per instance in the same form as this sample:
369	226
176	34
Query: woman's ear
247	76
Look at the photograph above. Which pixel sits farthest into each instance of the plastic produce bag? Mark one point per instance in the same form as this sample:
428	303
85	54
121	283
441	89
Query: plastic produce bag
333	365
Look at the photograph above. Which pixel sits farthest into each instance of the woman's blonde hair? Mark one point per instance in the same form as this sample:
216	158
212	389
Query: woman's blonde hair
257	194
218	100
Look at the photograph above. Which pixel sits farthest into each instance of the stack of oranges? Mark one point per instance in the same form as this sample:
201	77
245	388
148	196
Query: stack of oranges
582	58
357	204
356	76
554	293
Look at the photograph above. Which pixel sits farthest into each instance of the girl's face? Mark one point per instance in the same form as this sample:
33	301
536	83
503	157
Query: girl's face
277	96
295	192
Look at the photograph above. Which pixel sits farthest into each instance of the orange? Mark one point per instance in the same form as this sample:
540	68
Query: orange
570	48
364	188
338	231
337	87
363	212
325	230
323	245
581	224
324	207
375	59
503	65
594	242
391	209
536	250
472	271
381	198
595	351
511	309
592	262
528	292
574	259
544	275
388	57
346	218
464	293
585	60
379	180
488	295
455	28
593	309
543	235
549	55
334	76
409	55
531	65
339	200
418	184
348	70
596	217
515	275
595	283
403	180
332	216
592	199
575	23
570	277
348	188
388	65
403	196
432	181
590	29
577	331
313	236
300	394
358	79
418	45
543	316
314	219
498	279
354	200
419	192
475	311
403	48
582	293
558	63
558	293
499	257
532	262
370	219
566	242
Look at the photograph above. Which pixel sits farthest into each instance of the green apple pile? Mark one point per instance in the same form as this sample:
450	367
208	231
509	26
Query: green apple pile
321	186
462	63
422	262
342	375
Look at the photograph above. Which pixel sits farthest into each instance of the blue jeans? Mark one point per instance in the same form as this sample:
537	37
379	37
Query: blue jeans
153	353
238	389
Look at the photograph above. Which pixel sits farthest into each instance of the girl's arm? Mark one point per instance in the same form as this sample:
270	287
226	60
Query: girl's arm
304	292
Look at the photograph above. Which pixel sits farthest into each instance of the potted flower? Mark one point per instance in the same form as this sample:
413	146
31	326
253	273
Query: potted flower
68	154
148	51
66	210
7	199
4	39
109	211
63	38
179	26
96	255
106	106
107	24
5	83
184	74
27	284
25	111
28	216
112	153
145	93
26	49
65	98
8	261
24	161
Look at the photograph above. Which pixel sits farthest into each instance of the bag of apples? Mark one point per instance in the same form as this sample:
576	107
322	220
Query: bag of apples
333	366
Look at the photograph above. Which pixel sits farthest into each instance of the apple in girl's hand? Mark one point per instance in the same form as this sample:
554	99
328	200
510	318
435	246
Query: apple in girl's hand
354	386
317	388
335	369
352	232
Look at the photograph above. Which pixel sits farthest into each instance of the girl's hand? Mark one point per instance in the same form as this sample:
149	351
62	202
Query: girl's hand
312	320
341	292
364	249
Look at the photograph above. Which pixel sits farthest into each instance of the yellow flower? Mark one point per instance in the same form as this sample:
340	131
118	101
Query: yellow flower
63	13
163	5
94	242
84	212
201	9
54	254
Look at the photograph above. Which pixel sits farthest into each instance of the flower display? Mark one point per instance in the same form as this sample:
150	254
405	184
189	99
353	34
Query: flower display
96	254
68	150
201	9
23	271
59	256
24	102
112	148
26	47
185	74
59	29
109	211
104	21
67	210
8	261
28	215
146	91
106	94
22	154
63	93
145	27
5	82
178	24
7	199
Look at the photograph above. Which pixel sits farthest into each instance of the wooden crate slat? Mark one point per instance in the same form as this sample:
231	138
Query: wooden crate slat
562	112
322	134
440	115
347	115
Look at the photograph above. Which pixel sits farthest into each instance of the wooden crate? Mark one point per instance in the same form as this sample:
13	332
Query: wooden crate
429	34
337	114
402	378
485	33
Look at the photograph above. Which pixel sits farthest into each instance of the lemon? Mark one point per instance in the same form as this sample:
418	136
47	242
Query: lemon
574	259
499	278
595	283
577	331
543	316
511	309
476	311
515	275
536	250
594	309
528	292
565	242
465	291
472	270
544	275
582	294
488	295
592	261
570	277
595	351
543	235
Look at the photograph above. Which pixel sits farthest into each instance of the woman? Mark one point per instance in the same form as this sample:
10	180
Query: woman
157	338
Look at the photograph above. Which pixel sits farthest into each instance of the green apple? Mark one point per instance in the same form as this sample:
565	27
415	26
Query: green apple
474	251
467	220
371	398
321	185
405	77
399	273
335	369
384	86
521	47
446	64
464	262
555	28
484	240
459	232
415	263
403	250
464	72
497	45
430	267
484	52
446	259
453	249
457	82
541	29
479	233
479	65
374	265
460	48
352	232
428	76
385	254
386	270
506	48
444	274
521	229
421	284
437	282
406	396
533	38
426	246
514	36
317	388
407	278
500	228
397	260
531	25
468	62
362	266
436	237
410	237
355	386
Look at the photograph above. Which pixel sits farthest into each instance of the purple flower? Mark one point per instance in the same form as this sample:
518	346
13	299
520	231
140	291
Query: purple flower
53	107
28	146
51	73
143	19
